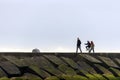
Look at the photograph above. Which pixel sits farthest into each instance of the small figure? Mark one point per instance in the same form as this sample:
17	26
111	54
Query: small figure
35	50
78	45
88	45
92	47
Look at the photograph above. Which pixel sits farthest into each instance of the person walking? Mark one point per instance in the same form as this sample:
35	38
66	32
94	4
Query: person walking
78	45
88	45
92	47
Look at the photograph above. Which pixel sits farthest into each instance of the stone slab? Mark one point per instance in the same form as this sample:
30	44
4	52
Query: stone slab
46	65
110	77
28	61
42	62
2	73
39	71
108	61
91	77
117	60
15	61
10	68
90	58
103	69
70	62
116	71
29	76
86	67
66	69
100	77
56	60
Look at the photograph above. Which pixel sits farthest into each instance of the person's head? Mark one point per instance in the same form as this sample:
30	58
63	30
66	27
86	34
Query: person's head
91	41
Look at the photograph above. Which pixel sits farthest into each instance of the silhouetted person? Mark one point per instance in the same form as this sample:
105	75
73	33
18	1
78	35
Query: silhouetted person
88	45
92	47
78	45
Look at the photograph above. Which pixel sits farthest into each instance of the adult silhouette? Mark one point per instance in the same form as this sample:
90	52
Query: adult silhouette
92	47
78	45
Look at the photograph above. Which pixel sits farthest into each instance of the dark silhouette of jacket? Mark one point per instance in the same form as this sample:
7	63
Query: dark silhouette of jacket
78	43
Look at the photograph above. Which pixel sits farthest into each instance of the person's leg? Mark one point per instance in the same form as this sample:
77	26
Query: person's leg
76	49
93	50
80	49
86	48
90	50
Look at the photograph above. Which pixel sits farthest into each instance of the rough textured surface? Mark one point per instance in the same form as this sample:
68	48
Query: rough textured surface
108	61
90	58
10	68
60	66
15	61
83	66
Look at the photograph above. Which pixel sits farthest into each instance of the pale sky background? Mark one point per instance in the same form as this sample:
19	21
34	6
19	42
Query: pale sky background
54	25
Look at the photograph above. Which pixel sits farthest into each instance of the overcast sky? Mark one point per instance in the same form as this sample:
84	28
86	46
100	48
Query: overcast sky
54	25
